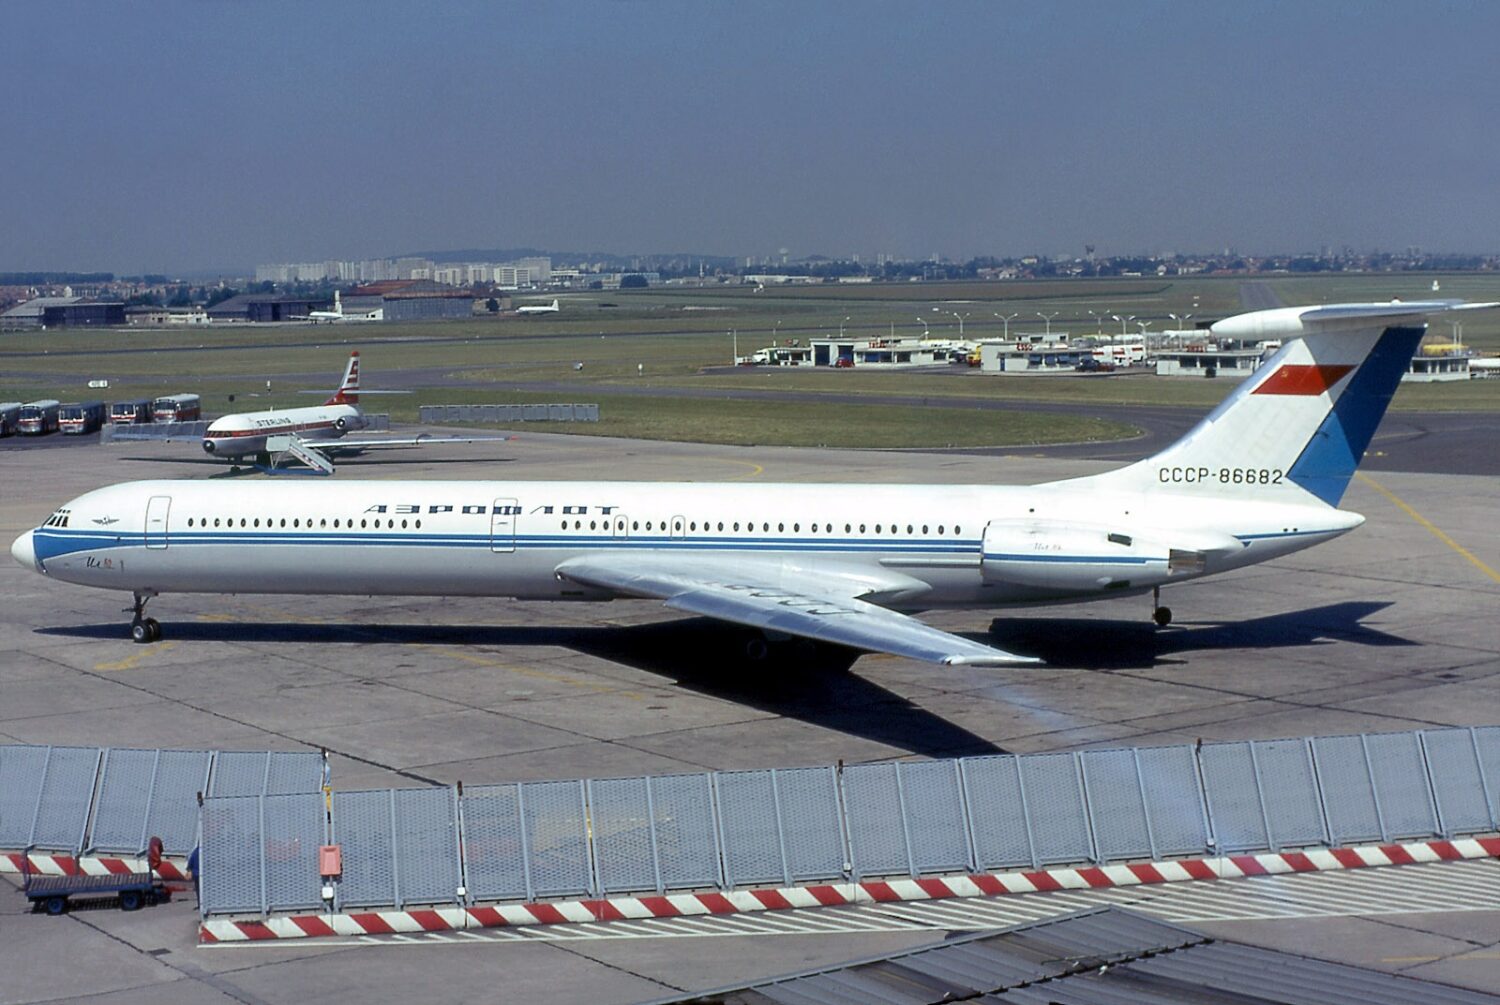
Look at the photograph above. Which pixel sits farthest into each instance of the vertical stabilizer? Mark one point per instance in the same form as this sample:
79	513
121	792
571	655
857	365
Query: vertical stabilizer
348	392
1301	423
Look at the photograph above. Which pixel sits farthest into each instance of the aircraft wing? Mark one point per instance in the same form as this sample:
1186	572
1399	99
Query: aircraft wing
420	440
816	604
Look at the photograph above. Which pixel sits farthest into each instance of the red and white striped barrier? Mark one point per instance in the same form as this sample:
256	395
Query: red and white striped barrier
439	919
53	864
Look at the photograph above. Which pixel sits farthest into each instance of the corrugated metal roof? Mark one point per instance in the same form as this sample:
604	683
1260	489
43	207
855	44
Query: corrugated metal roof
1106	955
34	307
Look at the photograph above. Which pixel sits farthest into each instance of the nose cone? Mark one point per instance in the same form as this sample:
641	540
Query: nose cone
24	552
209	446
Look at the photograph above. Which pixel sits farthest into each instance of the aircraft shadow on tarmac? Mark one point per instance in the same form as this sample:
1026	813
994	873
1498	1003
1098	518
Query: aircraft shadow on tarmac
812	683
1094	644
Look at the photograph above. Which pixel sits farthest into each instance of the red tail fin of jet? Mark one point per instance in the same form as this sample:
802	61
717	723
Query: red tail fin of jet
348	392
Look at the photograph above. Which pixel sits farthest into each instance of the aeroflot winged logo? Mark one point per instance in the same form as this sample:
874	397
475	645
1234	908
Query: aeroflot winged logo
1303	380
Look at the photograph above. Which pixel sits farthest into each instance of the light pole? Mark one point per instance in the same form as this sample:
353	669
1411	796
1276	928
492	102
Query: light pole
1143	325
776	333
1048	318
1123	322
926	332
1006	318
1099	322
841	326
960	322
1178	320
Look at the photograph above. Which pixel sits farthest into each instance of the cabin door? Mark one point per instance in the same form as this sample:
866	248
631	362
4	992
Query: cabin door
156	521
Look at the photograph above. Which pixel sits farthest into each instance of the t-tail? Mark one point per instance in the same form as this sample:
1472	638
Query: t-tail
348	392
1300	424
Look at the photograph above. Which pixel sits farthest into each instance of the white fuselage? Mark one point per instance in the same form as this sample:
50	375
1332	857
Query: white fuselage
246	433
960	546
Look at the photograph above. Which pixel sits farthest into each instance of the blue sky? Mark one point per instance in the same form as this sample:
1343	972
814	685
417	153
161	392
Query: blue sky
176	136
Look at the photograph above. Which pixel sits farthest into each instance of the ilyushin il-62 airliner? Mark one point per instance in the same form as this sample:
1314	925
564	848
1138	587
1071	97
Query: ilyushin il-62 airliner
1260	477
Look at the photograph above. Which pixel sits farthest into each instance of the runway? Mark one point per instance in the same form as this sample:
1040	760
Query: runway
1388	628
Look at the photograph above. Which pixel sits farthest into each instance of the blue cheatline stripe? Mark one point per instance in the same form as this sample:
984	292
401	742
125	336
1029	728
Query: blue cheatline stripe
1076	559
1328	461
51	543
1281	533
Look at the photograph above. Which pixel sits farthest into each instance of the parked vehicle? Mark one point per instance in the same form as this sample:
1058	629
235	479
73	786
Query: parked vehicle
177	408
130	413
10	417
79	417
38	418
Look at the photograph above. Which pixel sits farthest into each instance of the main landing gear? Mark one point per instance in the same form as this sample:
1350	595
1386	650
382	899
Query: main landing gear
1161	615
142	628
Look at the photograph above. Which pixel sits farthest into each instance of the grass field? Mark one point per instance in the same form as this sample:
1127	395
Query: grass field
664	340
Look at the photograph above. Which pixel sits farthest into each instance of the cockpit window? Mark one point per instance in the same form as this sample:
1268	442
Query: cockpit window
58	519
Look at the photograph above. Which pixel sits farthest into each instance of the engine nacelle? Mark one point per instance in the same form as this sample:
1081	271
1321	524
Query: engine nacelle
1080	558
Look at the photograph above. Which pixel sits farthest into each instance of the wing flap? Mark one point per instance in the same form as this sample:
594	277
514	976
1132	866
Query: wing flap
822	606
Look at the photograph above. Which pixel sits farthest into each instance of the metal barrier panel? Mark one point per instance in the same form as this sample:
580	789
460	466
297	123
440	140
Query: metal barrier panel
936	827
363	827
294	828
495	858
1401	789
1234	806
1174	799
1457	781
997	812
20	790
750	825
173	817
1348	797
534	413
239	773
427	845
1487	746
1289	793
812	825
877	829
231	857
687	846
125	790
557	837
294	771
624	843
1117	806
67	792
1054	805
590	412
557	413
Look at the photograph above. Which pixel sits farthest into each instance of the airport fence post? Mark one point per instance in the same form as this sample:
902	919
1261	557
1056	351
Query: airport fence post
260	847
595	882
1140	782
1260	797
525	841
718	822
1025	811
265	777
461	895
1317	777
961	773
41	789
651	833
1081	773
1364	746
1208	817
1484	782
911	861
150	797
841	811
395	855
1437	814
88	812
786	870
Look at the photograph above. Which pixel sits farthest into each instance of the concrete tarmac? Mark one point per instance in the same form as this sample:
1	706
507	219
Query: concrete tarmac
1390	628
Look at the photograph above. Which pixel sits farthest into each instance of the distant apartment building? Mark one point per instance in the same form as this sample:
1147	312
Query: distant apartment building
525	272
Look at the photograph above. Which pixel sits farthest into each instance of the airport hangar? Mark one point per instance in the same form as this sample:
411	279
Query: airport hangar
1389	628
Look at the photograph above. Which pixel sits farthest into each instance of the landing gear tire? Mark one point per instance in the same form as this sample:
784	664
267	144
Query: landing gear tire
143	629
1162	616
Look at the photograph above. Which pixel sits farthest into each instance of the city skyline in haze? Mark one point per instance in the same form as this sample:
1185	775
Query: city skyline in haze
181	136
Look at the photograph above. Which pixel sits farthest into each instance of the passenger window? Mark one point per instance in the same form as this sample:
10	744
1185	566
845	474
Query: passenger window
323	522
721	524
419	525
924	528
780	527
736	525
190	522
861	528
908	528
403	524
637	526
846	528
216	521
940	528
593	525
364	523
877	528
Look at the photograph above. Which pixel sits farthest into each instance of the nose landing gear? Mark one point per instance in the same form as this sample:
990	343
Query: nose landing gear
143	629
1161	615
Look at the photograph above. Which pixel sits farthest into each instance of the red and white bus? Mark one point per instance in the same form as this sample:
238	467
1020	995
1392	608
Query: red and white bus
38	417
176	408
130	413
79	417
